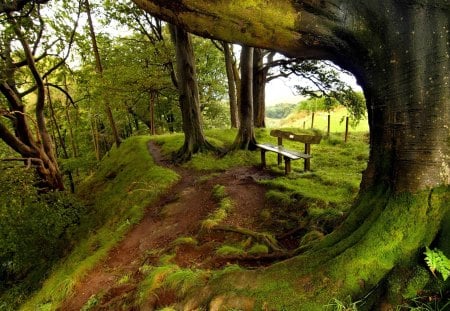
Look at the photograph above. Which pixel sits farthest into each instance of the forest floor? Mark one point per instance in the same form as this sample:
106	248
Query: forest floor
113	284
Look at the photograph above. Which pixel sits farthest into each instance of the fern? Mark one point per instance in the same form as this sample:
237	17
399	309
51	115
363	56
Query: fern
437	261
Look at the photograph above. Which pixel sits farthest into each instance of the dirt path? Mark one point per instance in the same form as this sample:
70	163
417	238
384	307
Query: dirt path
177	214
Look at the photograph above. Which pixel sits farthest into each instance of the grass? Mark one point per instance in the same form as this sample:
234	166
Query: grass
118	193
298	119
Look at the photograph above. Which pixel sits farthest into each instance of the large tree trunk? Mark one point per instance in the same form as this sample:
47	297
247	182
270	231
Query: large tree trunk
194	139
399	52
245	138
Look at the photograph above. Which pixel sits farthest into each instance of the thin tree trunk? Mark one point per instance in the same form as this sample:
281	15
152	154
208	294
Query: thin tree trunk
259	88
232	87
95	138
152	113
99	70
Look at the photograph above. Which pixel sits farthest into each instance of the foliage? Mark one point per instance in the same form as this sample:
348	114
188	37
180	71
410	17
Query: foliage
279	111
35	229
325	82
437	261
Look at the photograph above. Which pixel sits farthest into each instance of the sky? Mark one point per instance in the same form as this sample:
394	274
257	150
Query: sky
282	90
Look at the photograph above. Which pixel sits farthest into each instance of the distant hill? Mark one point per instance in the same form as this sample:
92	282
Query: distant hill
302	119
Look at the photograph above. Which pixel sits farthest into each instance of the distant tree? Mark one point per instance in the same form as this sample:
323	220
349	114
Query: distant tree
280	111
233	88
29	56
245	138
99	71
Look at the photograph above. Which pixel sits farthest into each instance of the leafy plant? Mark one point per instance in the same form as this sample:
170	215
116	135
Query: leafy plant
437	261
345	305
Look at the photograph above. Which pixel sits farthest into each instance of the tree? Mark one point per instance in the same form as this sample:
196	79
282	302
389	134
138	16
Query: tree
194	138
23	72
232	83
399	53
260	78
245	138
99	71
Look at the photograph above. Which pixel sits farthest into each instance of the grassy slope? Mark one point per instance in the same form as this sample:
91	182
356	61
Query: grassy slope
126	182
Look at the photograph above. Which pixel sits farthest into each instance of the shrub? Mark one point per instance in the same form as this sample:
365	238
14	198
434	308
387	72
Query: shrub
35	228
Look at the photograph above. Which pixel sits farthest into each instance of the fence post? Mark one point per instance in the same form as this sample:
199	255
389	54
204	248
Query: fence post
346	129
329	126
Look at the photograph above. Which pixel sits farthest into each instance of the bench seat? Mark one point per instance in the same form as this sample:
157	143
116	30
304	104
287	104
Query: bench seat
286	154
293	155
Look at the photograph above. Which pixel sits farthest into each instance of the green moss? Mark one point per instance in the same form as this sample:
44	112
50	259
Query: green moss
258	249
184	280
153	281
185	241
228	250
219	192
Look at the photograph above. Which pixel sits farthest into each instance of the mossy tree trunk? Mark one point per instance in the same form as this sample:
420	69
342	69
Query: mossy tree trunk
399	52
194	138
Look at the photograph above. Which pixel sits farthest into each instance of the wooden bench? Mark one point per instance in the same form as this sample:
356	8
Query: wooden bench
289	155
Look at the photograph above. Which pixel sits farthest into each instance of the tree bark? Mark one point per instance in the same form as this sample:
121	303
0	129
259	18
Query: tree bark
259	88
194	138
232	87
245	138
399	53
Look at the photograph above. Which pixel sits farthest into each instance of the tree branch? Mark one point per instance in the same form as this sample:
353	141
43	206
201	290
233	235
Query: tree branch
17	5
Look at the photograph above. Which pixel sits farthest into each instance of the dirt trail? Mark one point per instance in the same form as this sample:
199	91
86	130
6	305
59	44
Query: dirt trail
176	214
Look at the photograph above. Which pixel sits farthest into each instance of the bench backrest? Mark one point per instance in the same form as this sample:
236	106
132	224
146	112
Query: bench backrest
306	139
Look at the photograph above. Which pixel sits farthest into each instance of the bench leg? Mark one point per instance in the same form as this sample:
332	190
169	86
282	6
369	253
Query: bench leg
307	165
263	158
280	159
287	165
307	161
